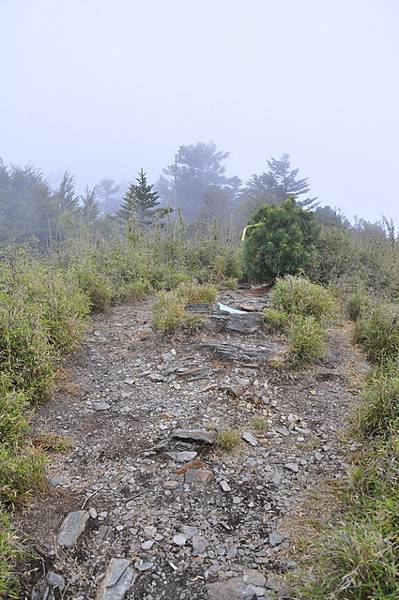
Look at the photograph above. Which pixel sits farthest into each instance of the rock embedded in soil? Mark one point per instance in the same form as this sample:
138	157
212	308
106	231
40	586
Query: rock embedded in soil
119	577
292	466
232	589
244	323
195	435
72	527
249	438
198	476
182	457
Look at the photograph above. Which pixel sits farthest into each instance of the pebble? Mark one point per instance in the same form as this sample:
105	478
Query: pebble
249	438
179	539
292	466
119	577
225	486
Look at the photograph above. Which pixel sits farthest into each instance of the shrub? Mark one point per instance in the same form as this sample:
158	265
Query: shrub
298	296
9	554
192	293
25	352
170	313
379	412
378	332
258	424
357	304
134	291
277	319
231	284
306	340
280	239
64	306
95	285
229	439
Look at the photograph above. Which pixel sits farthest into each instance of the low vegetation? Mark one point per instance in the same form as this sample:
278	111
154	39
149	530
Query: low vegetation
229	439
300	309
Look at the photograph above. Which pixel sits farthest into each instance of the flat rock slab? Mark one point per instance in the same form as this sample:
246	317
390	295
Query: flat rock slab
182	457
232	589
195	435
72	527
240	352
244	323
119	577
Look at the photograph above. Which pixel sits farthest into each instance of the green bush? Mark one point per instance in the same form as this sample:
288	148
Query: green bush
26	355
134	291
279	240
378	332
10	552
298	296
169	313
192	293
357	304
379	412
95	285
306	340
229	439
276	319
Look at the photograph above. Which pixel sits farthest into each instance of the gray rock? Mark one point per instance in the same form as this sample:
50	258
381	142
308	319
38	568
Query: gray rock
147	545
240	352
275	538
119	577
225	486
199	544
93	513
182	457
72	527
244	323
179	539
150	532
195	435
249	438
231	589
144	565
55	580
99	406
293	467
254	577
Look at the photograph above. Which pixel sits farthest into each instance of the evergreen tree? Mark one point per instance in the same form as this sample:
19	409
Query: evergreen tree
107	190
278	183
197	169
90	208
68	201
141	202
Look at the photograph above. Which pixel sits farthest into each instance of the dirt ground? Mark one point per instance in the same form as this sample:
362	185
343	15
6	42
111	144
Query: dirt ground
187	523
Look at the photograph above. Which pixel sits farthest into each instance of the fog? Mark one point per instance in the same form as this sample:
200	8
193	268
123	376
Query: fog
106	87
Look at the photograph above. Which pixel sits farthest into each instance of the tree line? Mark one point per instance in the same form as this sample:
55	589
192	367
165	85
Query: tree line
194	185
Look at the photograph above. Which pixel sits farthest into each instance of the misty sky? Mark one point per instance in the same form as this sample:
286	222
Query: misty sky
105	87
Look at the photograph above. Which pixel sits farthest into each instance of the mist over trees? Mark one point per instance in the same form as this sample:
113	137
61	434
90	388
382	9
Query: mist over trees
195	186
197	172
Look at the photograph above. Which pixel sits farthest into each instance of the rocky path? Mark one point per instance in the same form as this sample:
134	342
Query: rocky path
146	505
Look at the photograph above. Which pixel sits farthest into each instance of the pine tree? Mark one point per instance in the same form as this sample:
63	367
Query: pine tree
68	201
90	208
278	183
140	202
